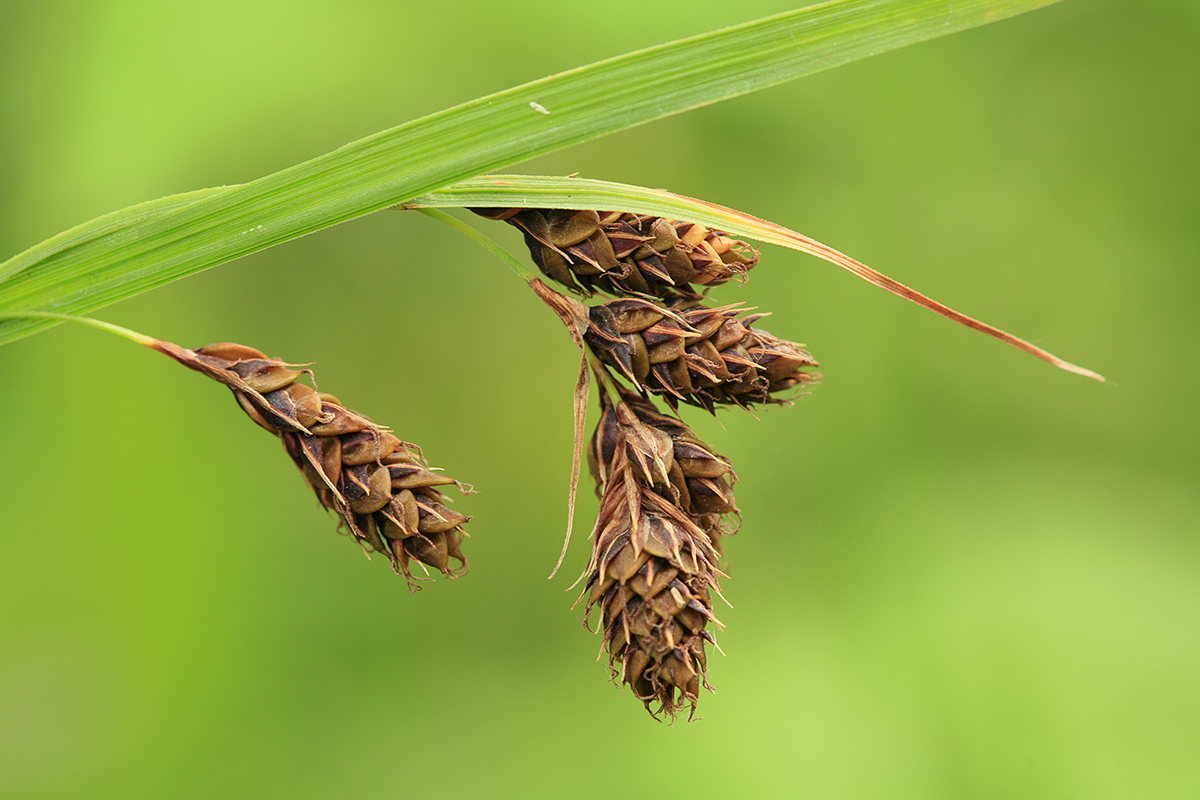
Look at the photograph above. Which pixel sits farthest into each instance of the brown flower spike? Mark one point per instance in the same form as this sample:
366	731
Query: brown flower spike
691	353
654	550
651	573
627	254
379	486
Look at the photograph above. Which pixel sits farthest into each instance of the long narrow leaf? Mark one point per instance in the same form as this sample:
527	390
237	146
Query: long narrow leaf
536	191
129	252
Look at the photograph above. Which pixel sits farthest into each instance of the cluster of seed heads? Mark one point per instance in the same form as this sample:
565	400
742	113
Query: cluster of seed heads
666	498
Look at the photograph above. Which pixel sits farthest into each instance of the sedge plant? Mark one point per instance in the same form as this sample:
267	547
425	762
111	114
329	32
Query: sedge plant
638	274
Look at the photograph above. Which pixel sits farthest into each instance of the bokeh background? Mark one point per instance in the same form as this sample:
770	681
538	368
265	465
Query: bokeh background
962	573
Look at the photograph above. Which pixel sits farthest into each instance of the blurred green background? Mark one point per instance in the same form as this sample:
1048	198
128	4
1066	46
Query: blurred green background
962	573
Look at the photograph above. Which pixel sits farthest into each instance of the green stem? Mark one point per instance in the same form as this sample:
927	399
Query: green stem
484	241
133	336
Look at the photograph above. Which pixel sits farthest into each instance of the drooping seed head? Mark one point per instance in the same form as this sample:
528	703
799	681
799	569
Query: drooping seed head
652	575
627	254
380	487
691	353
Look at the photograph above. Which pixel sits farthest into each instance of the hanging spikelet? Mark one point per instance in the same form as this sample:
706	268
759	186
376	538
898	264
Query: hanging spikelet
691	353
627	254
655	545
380	487
652	574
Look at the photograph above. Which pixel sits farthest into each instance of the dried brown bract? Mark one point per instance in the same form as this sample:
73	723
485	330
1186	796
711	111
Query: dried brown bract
380	487
621	253
691	353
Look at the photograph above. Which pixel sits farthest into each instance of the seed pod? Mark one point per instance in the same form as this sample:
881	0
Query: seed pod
627	254
691	353
380	487
652	575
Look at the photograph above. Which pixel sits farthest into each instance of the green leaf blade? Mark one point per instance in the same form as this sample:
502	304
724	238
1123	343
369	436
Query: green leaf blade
539	191
135	250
